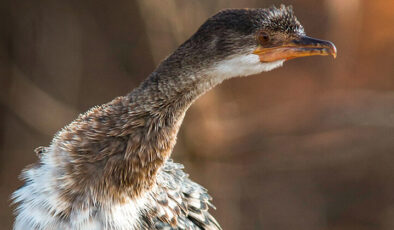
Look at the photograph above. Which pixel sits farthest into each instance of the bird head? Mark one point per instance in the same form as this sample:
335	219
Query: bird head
241	42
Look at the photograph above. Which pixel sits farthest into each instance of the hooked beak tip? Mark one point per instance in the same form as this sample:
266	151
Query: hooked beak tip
333	50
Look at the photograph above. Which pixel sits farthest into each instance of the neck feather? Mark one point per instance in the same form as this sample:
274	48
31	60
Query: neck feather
115	150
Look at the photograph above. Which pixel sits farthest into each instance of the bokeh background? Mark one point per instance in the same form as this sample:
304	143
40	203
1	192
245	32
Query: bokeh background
308	146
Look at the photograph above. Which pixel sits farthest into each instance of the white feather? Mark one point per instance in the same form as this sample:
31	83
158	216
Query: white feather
243	65
39	200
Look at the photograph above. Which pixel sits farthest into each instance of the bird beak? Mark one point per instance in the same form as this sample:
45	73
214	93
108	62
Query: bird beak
300	47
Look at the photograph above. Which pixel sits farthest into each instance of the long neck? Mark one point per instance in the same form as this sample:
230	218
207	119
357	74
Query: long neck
172	88
116	149
162	101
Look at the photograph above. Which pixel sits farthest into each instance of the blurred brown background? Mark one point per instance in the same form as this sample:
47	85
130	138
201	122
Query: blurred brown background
307	146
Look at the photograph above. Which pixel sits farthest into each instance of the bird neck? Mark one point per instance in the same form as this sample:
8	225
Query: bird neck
164	98
171	89
160	104
115	150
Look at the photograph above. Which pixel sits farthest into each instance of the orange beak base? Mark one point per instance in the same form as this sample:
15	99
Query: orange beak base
300	47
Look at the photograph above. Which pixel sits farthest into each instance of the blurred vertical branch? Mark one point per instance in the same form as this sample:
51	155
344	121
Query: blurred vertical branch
169	22
345	21
5	76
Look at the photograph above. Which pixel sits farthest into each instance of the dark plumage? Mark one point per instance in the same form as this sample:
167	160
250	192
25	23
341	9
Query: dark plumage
110	168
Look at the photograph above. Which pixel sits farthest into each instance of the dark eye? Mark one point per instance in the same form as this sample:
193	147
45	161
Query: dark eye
263	37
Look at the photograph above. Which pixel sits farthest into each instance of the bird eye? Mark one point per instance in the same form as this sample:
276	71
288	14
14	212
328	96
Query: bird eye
263	37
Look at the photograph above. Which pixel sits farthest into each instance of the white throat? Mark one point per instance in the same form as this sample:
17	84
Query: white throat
244	65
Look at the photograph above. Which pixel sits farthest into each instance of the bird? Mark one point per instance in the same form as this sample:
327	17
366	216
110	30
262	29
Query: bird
111	167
